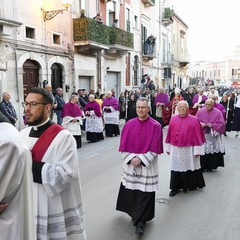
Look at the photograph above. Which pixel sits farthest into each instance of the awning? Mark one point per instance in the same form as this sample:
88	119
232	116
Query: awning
235	84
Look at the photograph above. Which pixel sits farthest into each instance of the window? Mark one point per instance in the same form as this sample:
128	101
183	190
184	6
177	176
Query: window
128	14
56	39
135	21
128	23
174	37
30	32
164	50
144	37
135	70
182	45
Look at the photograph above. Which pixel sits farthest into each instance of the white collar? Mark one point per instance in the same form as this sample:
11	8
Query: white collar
36	127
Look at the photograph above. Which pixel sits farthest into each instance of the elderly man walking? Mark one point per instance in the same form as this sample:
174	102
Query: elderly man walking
185	143
111	115
213	123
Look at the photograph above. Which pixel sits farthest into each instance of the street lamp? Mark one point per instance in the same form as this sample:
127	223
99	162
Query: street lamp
48	15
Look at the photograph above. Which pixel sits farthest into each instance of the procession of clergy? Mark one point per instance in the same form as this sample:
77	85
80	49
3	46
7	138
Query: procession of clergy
194	144
103	114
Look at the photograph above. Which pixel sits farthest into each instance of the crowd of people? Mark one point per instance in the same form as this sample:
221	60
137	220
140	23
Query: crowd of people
42	188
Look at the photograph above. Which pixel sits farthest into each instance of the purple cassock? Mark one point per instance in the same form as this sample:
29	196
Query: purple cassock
71	110
195	99
214	117
221	108
147	136
162	98
112	101
93	106
185	131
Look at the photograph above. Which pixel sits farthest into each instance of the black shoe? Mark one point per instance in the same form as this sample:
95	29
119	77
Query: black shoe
140	229
172	193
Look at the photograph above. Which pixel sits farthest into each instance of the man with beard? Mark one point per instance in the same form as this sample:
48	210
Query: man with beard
55	170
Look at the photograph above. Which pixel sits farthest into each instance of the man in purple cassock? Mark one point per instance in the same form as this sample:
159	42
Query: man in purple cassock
199	99
72	116
94	123
185	143
219	106
213	123
141	143
110	108
162	99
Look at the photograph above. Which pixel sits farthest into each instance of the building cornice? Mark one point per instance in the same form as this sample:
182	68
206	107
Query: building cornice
180	20
9	22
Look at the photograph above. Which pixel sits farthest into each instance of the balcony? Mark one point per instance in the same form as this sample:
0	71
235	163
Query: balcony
89	35
120	40
184	60
149	48
167	17
148	3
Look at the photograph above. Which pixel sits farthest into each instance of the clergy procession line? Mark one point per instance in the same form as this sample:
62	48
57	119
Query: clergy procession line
40	193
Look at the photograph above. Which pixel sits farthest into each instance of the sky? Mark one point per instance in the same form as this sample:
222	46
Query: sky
214	27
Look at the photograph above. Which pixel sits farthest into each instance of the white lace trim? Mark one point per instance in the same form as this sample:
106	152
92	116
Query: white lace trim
111	118
214	144
94	124
182	158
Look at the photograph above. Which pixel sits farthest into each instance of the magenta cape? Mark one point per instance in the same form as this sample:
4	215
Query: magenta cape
221	108
112	101
162	98
185	132
71	110
142	136
214	117
93	106
195	98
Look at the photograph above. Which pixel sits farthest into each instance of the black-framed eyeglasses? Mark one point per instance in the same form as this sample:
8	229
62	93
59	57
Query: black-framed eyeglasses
32	104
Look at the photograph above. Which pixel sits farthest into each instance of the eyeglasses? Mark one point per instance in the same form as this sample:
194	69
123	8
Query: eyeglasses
32	104
142	107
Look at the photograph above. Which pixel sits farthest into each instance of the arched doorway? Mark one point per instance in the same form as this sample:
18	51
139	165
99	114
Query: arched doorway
30	76
56	77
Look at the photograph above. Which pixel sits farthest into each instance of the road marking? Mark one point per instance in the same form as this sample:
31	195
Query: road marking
92	155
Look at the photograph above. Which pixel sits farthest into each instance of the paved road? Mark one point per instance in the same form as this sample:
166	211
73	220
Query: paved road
208	214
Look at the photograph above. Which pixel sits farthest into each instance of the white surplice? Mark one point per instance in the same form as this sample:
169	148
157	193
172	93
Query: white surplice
17	221
183	158
143	178
58	200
